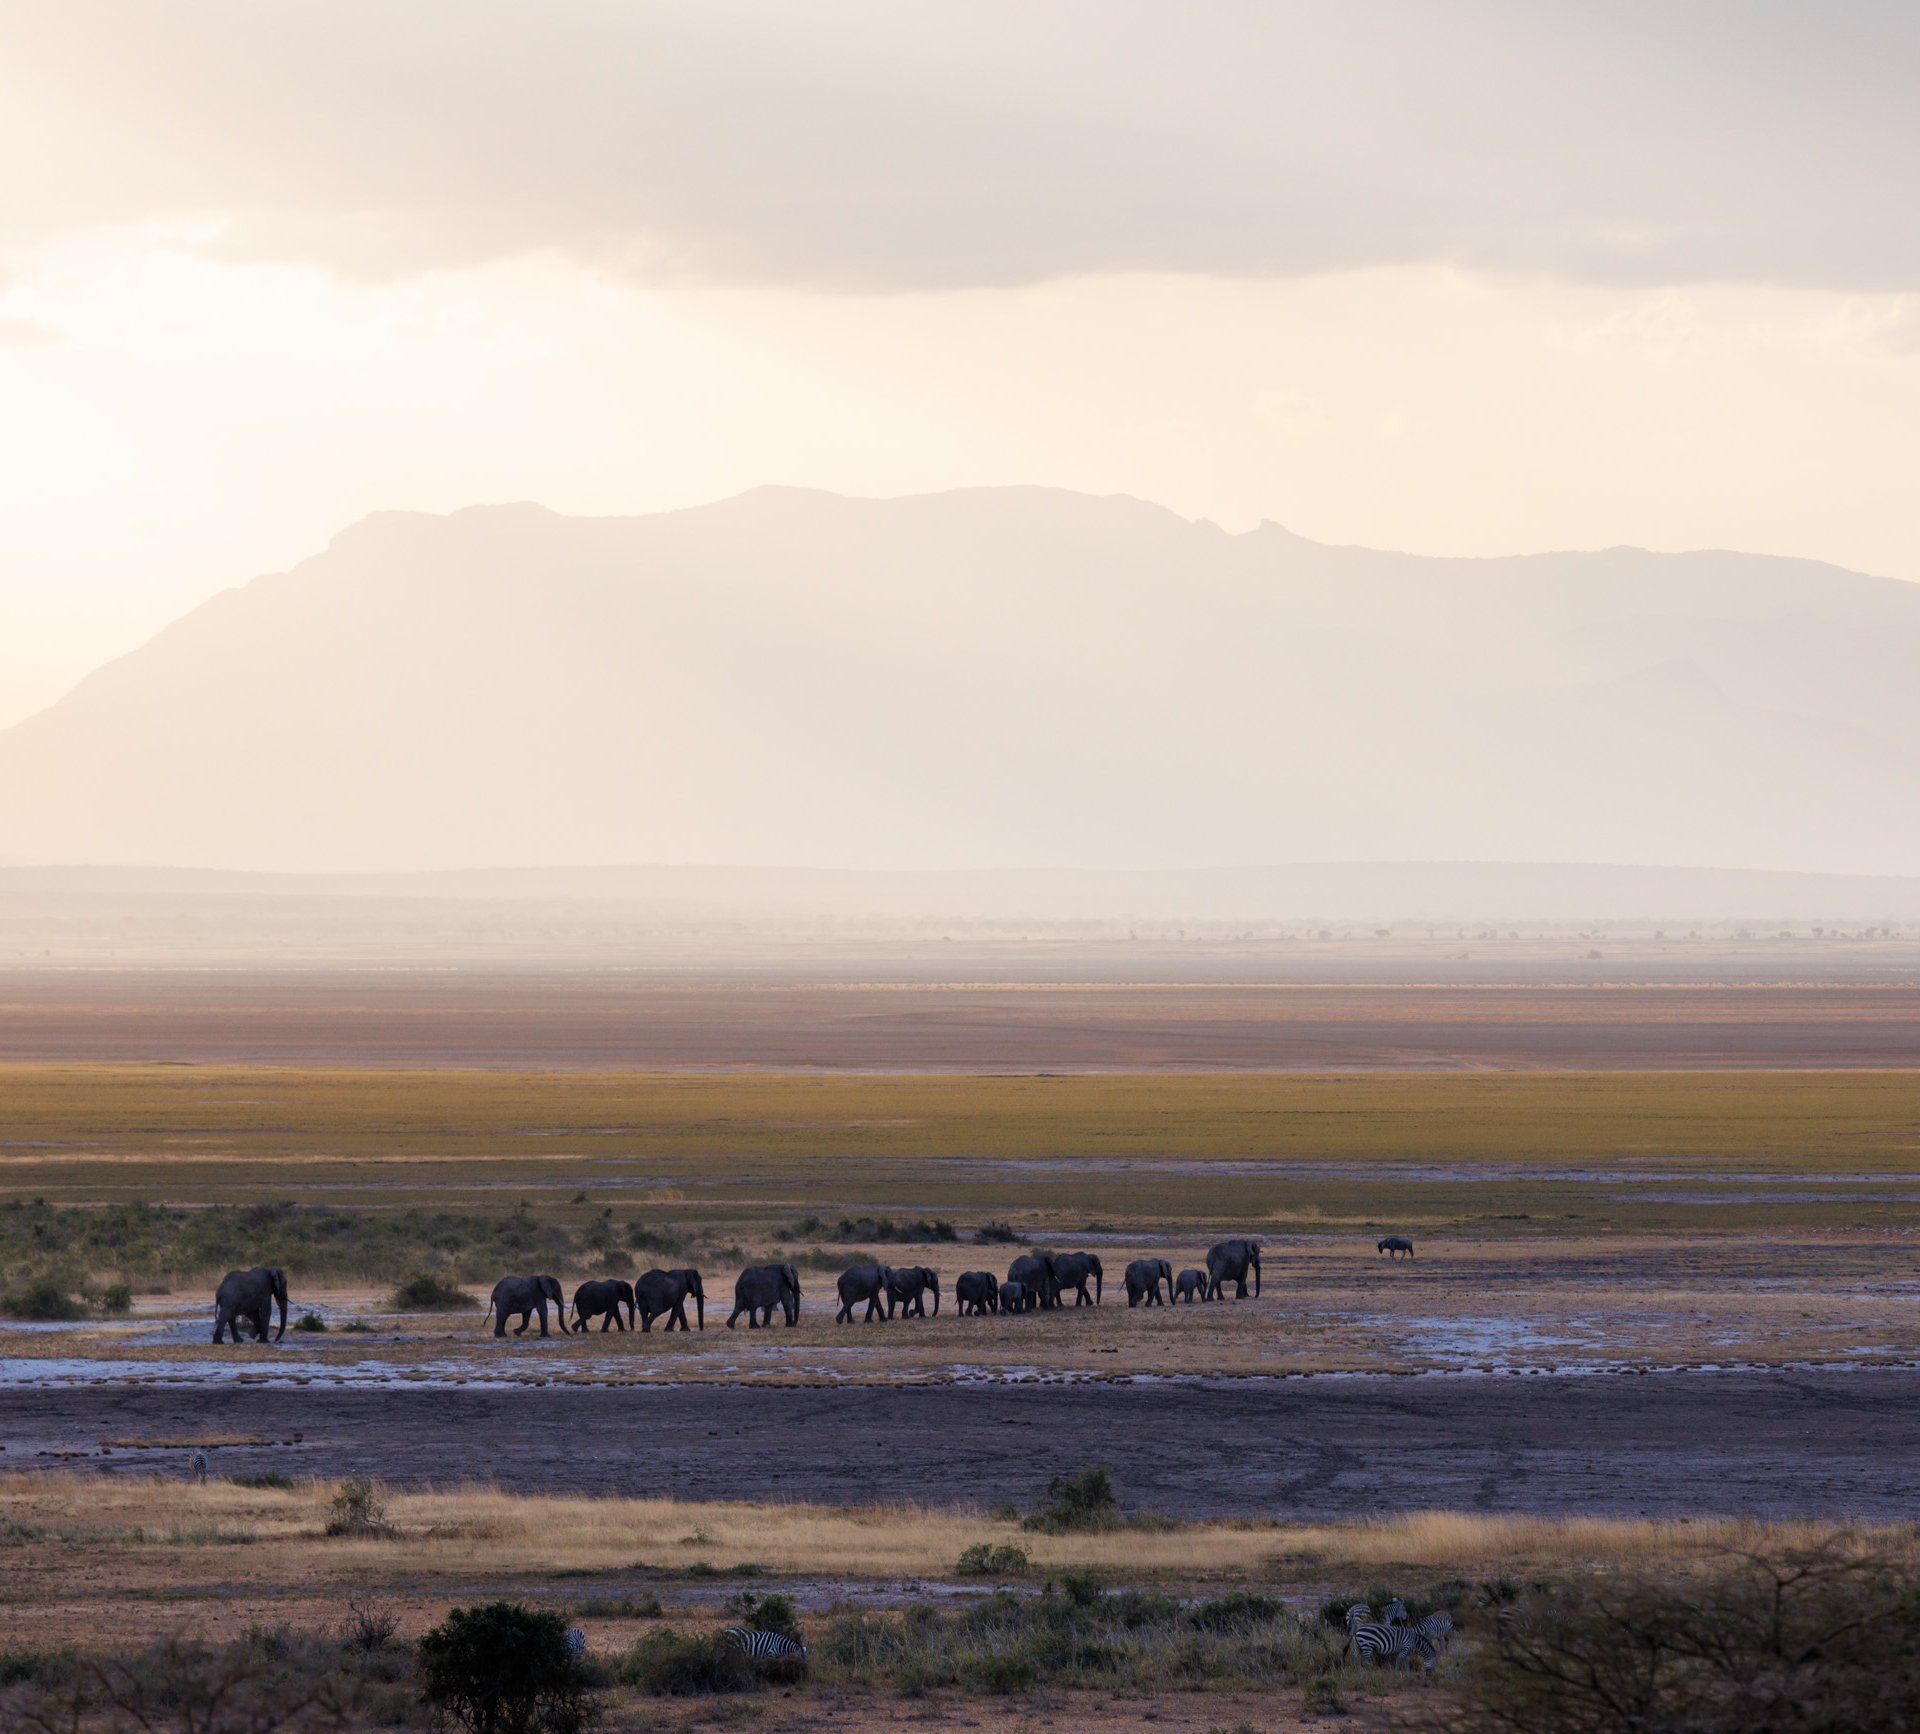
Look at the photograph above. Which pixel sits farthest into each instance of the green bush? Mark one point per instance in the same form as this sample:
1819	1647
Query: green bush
772	1612
426	1292
672	1665
1079	1504
44	1300
504	1669
995	1234
118	1299
983	1559
358	1509
310	1322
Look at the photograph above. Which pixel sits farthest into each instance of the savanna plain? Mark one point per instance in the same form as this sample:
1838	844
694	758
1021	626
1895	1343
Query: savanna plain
1660	1333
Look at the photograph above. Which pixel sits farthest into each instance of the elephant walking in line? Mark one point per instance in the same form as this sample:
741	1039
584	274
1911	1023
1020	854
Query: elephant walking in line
759	1289
522	1297
1394	1245
864	1282
1014	1298
1071	1270
668	1291
1144	1277
1033	1271
908	1287
1229	1261
603	1300
977	1291
250	1295
1190	1286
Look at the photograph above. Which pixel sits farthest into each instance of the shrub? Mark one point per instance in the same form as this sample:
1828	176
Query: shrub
426	1292
771	1612
358	1509
672	1665
1079	1504
1323	1696
118	1299
504	1669
640	1607
983	1559
309	1322
271	1481
1817	1640
44	1300
995	1234
368	1629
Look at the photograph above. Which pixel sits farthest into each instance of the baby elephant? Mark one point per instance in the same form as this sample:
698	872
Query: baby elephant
1013	1297
1394	1245
977	1292
1190	1286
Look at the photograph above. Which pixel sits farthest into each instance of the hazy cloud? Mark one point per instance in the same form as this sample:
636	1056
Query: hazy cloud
879	146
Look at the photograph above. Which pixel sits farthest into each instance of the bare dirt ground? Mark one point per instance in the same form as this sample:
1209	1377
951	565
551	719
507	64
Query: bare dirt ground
1825	1443
628	1020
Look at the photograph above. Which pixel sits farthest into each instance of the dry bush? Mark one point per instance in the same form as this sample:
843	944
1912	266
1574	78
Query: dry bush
1811	1640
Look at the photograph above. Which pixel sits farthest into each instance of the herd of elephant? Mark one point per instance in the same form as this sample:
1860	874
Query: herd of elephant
1034	1282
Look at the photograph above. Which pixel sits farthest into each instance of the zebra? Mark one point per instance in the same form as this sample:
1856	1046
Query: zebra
197	1466
1436	1628
1373	1640
758	1646
1396	1613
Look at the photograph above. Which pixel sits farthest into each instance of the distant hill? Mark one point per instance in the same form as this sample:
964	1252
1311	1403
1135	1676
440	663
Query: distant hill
1004	677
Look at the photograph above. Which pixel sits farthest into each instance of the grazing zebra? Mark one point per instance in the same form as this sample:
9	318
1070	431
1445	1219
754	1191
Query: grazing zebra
1396	1614
1373	1640
1436	1628
759	1646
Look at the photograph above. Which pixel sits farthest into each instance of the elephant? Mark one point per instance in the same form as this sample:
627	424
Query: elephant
1144	1277
1033	1271
908	1287
977	1291
1190	1286
1395	1244
593	1299
250	1295
1014	1298
1228	1261
759	1289
667	1291
864	1282
524	1296
1071	1270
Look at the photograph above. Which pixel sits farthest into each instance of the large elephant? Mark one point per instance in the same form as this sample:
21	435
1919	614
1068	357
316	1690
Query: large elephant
1190	1286
522	1297
603	1300
1033	1271
1229	1261
250	1295
908	1287
1014	1297
1071	1270
759	1289
667	1291
977	1291
864	1282
1144	1277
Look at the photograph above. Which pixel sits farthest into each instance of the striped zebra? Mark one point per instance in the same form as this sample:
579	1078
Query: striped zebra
1372	1640
1436	1628
758	1646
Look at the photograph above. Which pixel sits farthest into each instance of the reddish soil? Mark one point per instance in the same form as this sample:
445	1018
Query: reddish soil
624	1021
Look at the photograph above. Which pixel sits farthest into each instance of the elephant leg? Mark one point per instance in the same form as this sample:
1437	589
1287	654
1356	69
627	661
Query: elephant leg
525	1324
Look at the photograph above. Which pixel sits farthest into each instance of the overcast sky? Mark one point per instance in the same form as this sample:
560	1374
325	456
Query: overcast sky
1463	278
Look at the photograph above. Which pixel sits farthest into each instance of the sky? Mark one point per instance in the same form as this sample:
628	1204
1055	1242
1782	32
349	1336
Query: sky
1478	278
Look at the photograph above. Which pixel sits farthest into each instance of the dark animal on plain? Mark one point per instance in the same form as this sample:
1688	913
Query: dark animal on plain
977	1291
1014	1298
908	1286
1190	1286
1374	1640
603	1300
668	1291
760	1288
1144	1277
1394	1245
1229	1261
1071	1271
1033	1271
863	1282
250	1295
521	1297
758	1646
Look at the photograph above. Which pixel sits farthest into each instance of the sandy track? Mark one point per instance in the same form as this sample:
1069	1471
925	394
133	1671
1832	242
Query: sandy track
473	1018
1827	1444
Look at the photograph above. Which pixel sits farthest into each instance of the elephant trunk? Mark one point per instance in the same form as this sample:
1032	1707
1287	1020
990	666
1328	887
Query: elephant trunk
936	1297
280	1299
1098	1277
1256	1277
700	1307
